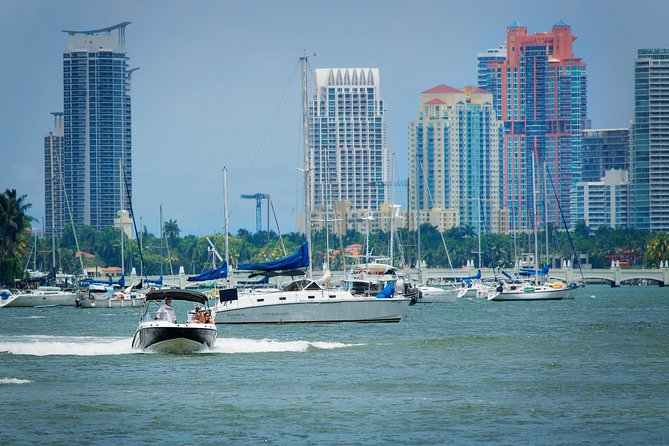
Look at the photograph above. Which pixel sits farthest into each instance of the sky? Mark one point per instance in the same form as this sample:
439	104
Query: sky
219	84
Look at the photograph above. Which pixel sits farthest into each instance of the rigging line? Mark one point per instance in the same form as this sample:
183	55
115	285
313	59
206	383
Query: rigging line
264	138
69	210
134	223
564	221
278	229
441	234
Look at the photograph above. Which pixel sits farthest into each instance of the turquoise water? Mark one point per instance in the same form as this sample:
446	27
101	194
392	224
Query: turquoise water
593	370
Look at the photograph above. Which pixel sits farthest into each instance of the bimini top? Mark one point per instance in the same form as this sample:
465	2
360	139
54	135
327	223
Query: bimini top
191	296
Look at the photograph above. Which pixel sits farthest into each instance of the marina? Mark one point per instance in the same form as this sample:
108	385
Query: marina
588	370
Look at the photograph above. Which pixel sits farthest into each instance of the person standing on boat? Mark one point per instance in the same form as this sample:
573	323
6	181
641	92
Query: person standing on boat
166	312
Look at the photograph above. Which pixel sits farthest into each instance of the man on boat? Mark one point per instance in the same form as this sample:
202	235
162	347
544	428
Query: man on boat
166	312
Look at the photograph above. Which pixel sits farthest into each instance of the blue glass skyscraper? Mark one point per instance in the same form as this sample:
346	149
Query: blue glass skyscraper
97	125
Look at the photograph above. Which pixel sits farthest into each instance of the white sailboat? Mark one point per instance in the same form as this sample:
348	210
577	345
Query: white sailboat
303	300
527	291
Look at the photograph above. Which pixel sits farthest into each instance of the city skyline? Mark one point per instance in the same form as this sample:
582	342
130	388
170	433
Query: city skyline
233	97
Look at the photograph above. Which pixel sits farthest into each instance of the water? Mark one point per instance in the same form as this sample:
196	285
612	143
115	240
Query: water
593	370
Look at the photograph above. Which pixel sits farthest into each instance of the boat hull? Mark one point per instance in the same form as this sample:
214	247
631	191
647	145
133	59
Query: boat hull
111	303
245	311
40	299
521	295
164	337
437	295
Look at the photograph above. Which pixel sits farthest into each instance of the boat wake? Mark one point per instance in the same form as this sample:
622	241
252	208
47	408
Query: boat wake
65	346
95	346
235	345
7	381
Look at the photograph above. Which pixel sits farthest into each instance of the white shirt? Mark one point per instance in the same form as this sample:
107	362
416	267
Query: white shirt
166	313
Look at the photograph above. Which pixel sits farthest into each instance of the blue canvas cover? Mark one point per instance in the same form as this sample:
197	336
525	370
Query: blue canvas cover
387	292
298	259
219	273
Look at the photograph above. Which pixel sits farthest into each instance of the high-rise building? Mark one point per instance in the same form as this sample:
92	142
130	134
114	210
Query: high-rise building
539	91
454	160
604	202
604	149
54	198
97	130
348	158
649	158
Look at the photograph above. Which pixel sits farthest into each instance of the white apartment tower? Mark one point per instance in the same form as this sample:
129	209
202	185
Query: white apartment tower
348	157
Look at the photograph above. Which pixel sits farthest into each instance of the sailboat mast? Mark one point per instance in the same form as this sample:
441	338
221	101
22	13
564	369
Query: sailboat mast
225	216
534	214
546	209
53	207
392	210
307	168
120	176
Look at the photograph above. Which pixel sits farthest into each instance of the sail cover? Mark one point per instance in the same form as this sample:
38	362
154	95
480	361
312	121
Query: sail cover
219	273
298	259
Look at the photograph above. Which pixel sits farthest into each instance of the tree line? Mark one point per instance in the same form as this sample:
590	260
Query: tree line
165	253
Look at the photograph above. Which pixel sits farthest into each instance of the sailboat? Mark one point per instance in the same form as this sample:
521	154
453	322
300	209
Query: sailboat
303	299
532	290
47	296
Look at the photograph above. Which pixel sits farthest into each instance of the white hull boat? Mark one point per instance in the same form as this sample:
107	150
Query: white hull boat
433	294
165	335
111	302
526	292
43	296
304	301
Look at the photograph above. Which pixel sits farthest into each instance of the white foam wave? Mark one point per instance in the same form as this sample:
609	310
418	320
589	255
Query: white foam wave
14	381
236	345
93	346
66	346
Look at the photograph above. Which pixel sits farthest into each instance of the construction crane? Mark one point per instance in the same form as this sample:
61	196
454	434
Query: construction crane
258	198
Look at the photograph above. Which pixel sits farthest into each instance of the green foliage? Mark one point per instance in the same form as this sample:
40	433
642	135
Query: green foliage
10	269
13	224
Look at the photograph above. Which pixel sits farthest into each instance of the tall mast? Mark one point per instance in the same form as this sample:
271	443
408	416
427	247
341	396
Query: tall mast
392	210
534	216
546	208
53	207
225	216
307	167
120	174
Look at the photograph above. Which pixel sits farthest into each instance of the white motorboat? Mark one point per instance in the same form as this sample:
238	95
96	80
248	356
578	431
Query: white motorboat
369	279
43	296
159	333
433	294
103	296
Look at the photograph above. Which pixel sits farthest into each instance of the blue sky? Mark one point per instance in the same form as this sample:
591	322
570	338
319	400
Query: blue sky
219	83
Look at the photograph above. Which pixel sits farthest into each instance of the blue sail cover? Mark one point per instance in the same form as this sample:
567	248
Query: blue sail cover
298	259
470	278
532	272
159	281
219	273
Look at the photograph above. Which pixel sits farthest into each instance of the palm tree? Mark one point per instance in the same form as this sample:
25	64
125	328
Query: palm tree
658	247
171	229
13	220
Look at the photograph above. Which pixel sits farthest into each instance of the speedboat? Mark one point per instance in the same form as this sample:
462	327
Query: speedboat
156	333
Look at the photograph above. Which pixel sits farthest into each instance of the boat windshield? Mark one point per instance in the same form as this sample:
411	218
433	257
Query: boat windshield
302	284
